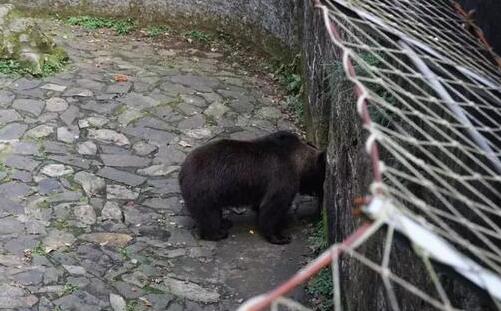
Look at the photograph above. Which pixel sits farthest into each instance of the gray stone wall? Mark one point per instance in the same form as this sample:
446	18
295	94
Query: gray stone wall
252	18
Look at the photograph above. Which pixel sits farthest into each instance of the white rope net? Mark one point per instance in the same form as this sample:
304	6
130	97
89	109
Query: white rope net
429	91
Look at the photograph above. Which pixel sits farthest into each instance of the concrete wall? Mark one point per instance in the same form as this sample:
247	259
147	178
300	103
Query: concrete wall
262	21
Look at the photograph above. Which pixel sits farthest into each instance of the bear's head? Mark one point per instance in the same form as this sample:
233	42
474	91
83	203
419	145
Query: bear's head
312	163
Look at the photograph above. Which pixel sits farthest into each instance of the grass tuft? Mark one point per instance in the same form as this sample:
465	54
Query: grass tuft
121	26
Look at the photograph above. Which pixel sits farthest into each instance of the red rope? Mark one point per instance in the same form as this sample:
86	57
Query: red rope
470	23
334	252
366	118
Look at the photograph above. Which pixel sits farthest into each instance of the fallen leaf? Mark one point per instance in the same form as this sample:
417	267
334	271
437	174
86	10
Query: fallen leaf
120	78
146	302
182	143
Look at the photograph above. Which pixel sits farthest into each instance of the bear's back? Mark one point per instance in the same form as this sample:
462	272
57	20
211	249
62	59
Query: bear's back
238	172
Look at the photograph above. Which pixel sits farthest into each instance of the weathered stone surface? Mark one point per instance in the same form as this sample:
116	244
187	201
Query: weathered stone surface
14	190
193	122
269	113
169	155
9	115
216	110
67	135
119	192
32	277
164	186
107	238
10	225
117	303
57	239
6	98
71	160
138	101
121	160
172	204
96	122
189	290
150	134
76	270
21	162
188	109
121	176
142	148
23	83
108	136
87	148
111	149
34	107
199	133
53	87
194	100
56	170
201	84
12	131
136	278
69	196
127	290
40	131
7	302
25	148
80	300
56	104
9	207
91	184
70	115
119	88
78	92
21	176
55	147
100	107
112	211
128	116
85	214
159	170
49	185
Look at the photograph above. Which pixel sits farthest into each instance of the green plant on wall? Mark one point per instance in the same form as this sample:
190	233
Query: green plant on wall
320	287
288	75
10	66
196	35
372	60
121	26
155	31
51	65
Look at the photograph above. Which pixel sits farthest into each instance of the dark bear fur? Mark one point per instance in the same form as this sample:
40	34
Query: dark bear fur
265	173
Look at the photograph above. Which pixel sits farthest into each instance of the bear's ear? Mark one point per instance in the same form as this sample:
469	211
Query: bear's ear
322	159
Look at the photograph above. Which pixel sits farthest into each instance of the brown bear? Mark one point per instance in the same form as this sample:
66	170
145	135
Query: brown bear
265	173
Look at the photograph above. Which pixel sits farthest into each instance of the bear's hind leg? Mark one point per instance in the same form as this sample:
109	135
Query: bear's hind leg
211	225
209	219
226	224
272	214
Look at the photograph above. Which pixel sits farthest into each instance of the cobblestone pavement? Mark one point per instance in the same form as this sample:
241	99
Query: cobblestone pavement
90	213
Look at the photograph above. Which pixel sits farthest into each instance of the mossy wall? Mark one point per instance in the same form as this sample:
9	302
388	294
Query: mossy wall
22	41
269	24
